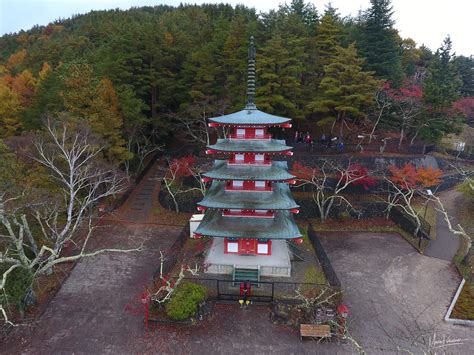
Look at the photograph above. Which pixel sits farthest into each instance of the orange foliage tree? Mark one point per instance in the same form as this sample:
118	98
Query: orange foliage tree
407	183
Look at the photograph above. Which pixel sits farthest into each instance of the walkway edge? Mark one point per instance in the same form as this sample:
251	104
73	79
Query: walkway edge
448	318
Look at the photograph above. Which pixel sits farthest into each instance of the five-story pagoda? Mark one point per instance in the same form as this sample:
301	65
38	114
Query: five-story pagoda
248	209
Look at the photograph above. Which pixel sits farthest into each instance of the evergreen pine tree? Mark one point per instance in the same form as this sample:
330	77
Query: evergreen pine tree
465	67
440	90
322	50
279	75
47	100
380	43
345	91
234	52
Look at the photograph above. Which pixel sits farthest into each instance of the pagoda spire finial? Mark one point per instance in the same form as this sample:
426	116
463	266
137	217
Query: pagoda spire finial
251	77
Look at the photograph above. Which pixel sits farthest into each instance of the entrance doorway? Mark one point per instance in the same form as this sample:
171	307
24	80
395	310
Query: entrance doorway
248	246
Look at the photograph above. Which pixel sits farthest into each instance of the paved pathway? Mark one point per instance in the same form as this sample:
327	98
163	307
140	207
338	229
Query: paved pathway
446	244
98	307
394	293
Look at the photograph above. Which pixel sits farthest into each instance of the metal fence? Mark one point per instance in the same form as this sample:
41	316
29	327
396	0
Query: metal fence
318	147
222	289
323	258
408	224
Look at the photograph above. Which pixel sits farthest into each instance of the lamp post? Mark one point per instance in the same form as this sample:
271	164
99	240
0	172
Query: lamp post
429	193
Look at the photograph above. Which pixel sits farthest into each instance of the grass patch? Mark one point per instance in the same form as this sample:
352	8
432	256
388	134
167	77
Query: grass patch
464	308
463	213
466	270
314	275
306	242
372	225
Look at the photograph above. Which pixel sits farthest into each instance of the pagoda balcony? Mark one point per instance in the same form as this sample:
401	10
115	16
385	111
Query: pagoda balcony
249	146
277	171
248	213
267	136
250	159
254	163
248	188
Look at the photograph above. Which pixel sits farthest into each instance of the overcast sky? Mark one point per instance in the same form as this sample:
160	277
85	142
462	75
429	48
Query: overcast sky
426	21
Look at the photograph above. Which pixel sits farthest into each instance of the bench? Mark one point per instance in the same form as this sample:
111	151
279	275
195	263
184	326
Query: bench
315	331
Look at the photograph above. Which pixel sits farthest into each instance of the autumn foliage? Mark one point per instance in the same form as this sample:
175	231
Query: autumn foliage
359	176
303	172
405	93
410	177
182	167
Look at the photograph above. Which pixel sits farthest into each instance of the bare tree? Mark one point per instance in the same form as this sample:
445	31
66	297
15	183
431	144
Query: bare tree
196	129
457	229
141	146
383	103
329	182
174	173
403	198
169	284
72	161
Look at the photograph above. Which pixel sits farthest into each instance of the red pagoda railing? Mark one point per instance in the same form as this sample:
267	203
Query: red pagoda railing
244	188
250	162
249	213
249	136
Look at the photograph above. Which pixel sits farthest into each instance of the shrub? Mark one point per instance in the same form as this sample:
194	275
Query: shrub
185	301
18	282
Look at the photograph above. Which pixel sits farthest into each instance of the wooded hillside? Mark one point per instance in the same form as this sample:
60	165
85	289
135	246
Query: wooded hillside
139	74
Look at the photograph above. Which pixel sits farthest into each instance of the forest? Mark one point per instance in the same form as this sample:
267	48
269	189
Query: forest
134	77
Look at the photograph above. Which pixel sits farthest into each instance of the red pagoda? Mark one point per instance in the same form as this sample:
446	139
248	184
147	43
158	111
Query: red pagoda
248	209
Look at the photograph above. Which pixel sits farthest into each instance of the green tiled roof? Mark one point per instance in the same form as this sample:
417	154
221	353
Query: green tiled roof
279	199
250	145
283	226
250	117
278	171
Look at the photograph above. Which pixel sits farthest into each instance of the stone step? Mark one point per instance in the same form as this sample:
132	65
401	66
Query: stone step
240	275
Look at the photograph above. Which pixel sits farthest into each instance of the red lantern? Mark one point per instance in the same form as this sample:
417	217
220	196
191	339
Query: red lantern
298	240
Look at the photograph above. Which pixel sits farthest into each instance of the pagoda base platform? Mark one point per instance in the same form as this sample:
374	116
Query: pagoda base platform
277	264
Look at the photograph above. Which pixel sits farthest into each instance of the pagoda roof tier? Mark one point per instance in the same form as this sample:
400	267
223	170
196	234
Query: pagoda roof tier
282	226
278	199
277	171
250	117
250	145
